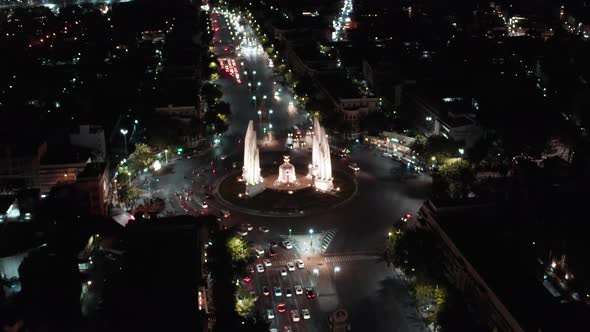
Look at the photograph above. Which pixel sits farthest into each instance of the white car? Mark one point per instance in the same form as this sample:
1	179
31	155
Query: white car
299	263
263	229
283	272
242	233
305	313
223	157
295	315
290	266
246	227
298	290
259	251
287	245
267	262
259	268
270	314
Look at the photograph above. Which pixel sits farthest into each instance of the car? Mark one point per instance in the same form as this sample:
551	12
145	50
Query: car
247	279
270	314
290	266
248	227
222	157
354	167
287	244
305	313
273	244
263	229
406	217
295	315
288	292
282	307
259	251
205	205
278	292
310	293
272	253
265	290
276	93
267	262
225	213
298	290
288	329
387	154
284	272
259	268
242	233
299	263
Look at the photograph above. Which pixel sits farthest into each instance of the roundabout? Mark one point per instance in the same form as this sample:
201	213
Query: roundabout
281	202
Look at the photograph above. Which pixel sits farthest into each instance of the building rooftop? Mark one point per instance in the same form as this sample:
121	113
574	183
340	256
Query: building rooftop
66	155
177	93
497	240
92	170
338	84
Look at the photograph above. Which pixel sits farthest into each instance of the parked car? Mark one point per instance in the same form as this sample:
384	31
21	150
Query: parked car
287	244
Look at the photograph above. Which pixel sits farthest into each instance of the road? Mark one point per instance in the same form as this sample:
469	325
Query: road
349	274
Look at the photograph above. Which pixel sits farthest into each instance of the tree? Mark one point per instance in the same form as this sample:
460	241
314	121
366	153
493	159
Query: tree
419	144
256	323
245	301
128	194
238	249
457	175
391	245
211	93
141	158
478	151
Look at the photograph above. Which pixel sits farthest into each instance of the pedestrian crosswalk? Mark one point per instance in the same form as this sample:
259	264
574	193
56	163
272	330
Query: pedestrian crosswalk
277	263
351	258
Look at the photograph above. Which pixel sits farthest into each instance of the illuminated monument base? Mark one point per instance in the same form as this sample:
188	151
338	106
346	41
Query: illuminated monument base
254	189
323	185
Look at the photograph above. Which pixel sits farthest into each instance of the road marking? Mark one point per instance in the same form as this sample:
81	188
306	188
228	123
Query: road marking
351	258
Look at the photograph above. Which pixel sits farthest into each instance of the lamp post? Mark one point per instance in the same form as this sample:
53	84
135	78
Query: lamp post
311	239
166	154
124	132
254	98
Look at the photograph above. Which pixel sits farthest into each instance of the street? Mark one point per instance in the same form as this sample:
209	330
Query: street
350	273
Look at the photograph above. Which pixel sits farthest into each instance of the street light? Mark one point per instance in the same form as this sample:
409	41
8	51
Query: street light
166	154
336	269
124	132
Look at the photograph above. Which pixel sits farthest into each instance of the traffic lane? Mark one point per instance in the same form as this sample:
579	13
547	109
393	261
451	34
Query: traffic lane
381	295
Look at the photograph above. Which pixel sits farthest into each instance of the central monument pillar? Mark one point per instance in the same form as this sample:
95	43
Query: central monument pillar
251	169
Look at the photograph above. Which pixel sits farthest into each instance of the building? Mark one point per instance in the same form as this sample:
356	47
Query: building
61	166
17	240
495	265
94	181
444	120
20	161
158	251
348	99
91	137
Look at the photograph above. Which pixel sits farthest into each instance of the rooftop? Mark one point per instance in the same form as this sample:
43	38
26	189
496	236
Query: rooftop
338	84
497	241
65	155
92	170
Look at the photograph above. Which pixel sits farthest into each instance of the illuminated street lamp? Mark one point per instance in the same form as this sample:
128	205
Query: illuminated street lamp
166	154
336	269
124	132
